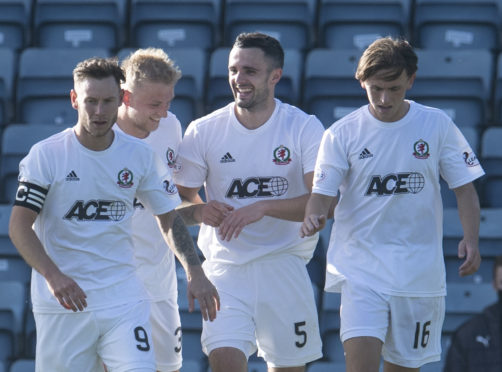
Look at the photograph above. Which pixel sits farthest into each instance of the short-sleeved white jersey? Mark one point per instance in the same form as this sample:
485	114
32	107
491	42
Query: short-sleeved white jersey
388	223
155	261
240	166
85	221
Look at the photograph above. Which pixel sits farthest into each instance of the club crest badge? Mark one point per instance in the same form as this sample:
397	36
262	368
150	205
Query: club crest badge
421	149
170	157
282	155
124	178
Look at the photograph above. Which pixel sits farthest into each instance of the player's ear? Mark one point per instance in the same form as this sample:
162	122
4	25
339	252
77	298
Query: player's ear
126	97
73	98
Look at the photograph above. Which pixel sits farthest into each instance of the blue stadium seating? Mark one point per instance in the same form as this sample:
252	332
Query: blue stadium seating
289	21
15	30
330	88
457	24
497	101
17	140
7	73
457	81
325	366
6	246
79	23
23	365
464	300
347	24
175	24
45	81
491	155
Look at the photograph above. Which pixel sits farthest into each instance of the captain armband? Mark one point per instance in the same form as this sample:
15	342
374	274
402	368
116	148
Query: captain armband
30	196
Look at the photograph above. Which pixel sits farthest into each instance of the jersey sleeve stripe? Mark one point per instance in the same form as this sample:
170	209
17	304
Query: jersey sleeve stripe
30	196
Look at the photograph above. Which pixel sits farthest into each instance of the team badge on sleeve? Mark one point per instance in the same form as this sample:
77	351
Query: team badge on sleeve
319	175
170	188
170	157
30	196
470	159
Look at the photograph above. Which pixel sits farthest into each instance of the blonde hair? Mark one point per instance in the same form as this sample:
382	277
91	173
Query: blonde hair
151	65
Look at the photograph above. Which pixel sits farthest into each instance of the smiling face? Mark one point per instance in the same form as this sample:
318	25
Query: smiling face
97	102
386	97
146	104
252	78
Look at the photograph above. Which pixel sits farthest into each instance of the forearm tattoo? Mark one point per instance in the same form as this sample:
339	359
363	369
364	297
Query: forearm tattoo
182	243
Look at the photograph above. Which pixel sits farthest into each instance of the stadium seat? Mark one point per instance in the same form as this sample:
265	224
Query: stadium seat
79	23
187	104
497	102
8	65
457	81
257	366
483	275
44	84
289	21
190	365
330	89
218	93
192	349
175	24
23	365
464	300
7	346
14	269
6	246
30	333
347	24
17	140
491	160
457	24
12	305
332	346
15	30
329	317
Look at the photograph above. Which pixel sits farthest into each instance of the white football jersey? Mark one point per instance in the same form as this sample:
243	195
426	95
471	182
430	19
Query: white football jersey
85	203
155	261
388	222
240	166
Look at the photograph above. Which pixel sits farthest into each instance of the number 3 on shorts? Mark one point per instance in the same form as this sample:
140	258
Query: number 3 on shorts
142	337
301	333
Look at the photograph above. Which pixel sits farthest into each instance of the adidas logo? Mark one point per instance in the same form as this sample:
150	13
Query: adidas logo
227	158
365	154
72	176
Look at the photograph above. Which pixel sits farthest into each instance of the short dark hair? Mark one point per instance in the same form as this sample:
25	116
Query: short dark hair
99	68
395	55
270	46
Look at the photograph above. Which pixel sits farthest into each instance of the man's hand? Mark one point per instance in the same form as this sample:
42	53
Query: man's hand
312	224
214	212
472	257
67	292
200	288
236	220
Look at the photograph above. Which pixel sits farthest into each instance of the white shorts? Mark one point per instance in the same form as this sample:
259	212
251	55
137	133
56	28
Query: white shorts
166	334
119	337
409	327
268	305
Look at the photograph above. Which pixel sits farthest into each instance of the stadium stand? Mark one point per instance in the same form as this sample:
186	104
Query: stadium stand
491	155
79	23
348	24
15	27
457	24
457	81
12	304
175	24
45	81
323	366
23	365
7	75
463	300
6	247
218	92
290	21
330	90
17	140
497	99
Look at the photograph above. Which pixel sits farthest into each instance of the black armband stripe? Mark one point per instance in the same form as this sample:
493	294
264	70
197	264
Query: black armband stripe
30	196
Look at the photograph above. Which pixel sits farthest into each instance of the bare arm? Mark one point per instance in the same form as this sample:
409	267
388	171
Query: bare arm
64	288
318	209
181	243
469	212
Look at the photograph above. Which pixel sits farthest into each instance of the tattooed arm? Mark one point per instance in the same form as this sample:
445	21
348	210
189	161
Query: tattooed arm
179	240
